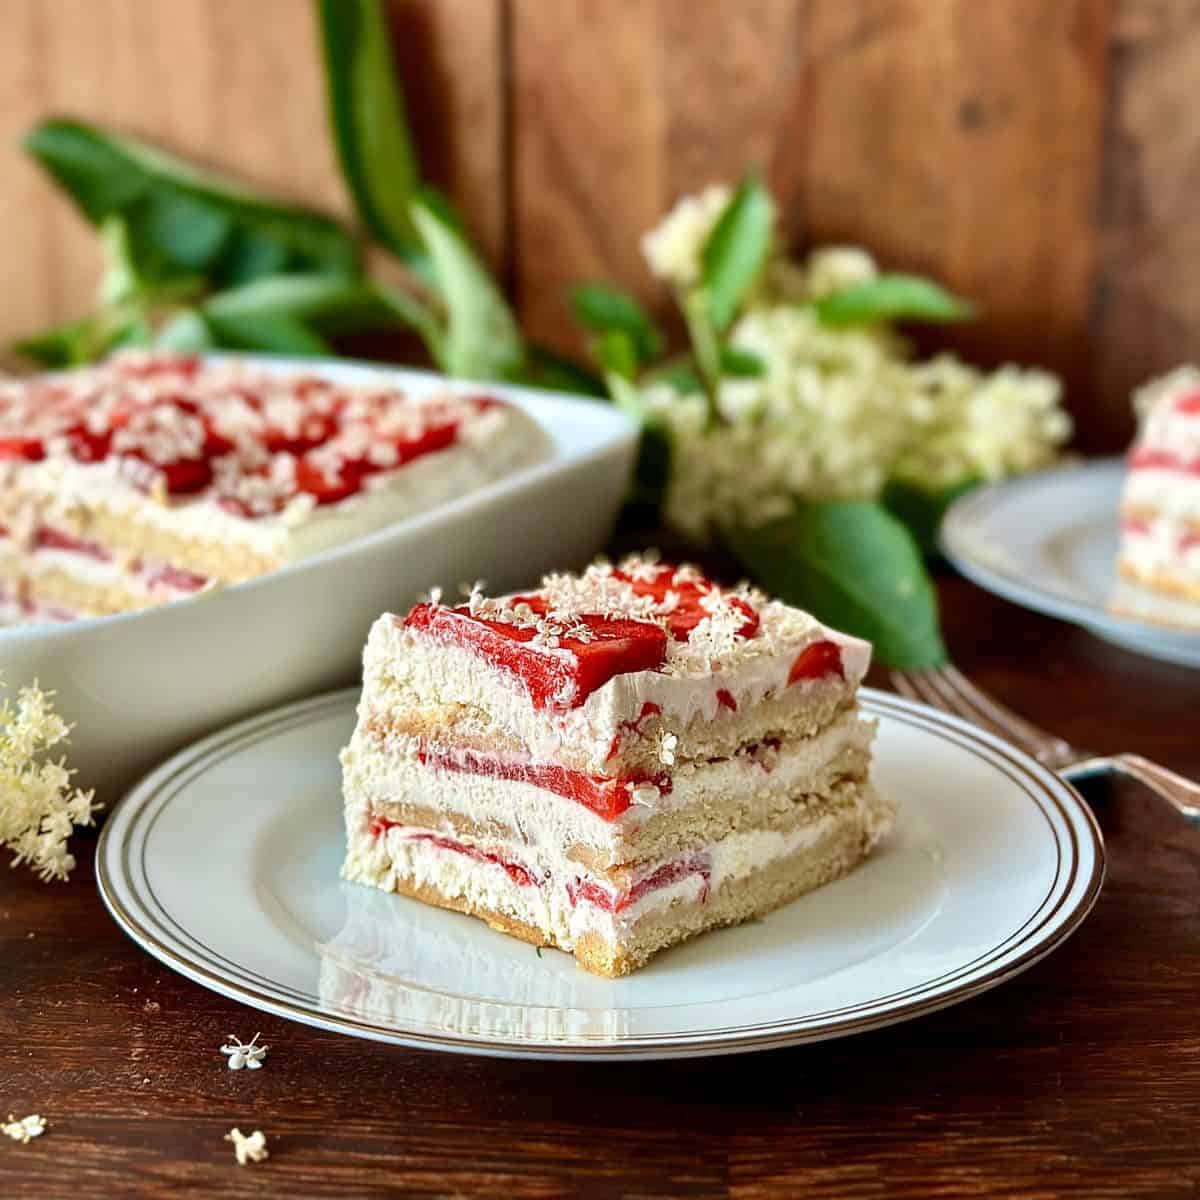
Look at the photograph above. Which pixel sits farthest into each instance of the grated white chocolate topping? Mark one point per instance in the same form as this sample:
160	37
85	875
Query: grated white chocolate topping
718	642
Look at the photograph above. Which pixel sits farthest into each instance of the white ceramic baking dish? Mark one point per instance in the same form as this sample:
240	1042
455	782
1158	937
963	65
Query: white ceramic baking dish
139	685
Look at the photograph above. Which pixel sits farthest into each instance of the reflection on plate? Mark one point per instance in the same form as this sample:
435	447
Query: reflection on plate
994	861
1049	542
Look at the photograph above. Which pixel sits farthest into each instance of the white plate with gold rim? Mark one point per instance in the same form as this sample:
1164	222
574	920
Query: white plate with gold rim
1048	542
224	864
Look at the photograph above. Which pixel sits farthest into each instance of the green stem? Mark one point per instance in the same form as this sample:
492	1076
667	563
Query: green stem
707	349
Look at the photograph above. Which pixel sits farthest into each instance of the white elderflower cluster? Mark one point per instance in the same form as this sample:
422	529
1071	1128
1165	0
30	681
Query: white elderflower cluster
837	413
982	425
672	248
39	809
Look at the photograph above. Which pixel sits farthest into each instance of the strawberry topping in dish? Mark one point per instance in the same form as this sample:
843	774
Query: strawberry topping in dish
169	425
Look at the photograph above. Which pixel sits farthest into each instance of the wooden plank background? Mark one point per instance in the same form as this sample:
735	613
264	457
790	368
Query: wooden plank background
1039	155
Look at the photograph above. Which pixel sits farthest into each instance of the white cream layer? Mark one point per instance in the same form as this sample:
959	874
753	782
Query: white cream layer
1172	493
548	822
94	572
1162	549
549	906
404	669
498	442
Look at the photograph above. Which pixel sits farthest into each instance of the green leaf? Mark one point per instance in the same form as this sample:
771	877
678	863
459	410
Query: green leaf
854	566
893	297
601	308
922	509
679	373
741	364
273	333
481	339
366	109
329	302
652	470
544	368
61	346
616	353
181	221
736	250
78	342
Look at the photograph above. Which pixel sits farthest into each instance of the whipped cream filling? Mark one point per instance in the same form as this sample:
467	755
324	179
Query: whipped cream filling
554	903
547	821
1163	546
1171	493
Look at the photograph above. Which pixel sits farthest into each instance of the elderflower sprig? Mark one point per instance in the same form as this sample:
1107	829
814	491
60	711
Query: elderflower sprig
799	426
39	809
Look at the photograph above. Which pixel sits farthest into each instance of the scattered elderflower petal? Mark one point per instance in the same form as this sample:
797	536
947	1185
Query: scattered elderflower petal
244	1054
25	1129
248	1149
39	809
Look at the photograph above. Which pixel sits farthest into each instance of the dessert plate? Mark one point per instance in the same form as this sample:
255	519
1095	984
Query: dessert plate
993	863
1048	542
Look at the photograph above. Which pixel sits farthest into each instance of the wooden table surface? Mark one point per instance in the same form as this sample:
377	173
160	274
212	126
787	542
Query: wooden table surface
1081	1077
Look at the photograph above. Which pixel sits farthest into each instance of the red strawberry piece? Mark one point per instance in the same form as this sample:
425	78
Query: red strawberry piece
27	449
554	679
330	487
816	661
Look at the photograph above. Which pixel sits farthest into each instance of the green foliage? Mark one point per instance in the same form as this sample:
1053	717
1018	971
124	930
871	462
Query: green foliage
893	297
180	222
366	109
922	510
857	568
604	309
736	251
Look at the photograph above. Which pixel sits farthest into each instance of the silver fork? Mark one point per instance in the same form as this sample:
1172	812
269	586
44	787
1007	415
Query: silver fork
946	688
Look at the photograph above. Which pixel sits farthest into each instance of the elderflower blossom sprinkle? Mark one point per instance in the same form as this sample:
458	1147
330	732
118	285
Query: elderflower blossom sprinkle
667	745
244	1054
248	1149
39	810
25	1129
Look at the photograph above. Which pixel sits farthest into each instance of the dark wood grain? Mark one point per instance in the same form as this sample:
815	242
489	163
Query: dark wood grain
1146	293
1080	1078
964	140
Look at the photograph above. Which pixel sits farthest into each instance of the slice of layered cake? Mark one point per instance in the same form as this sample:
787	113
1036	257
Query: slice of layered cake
612	763
153	476
1160	506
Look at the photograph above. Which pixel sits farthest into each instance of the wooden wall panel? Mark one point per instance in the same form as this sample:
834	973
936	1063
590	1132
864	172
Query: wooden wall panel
236	84
451	58
619	107
964	140
1146	315
229	83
